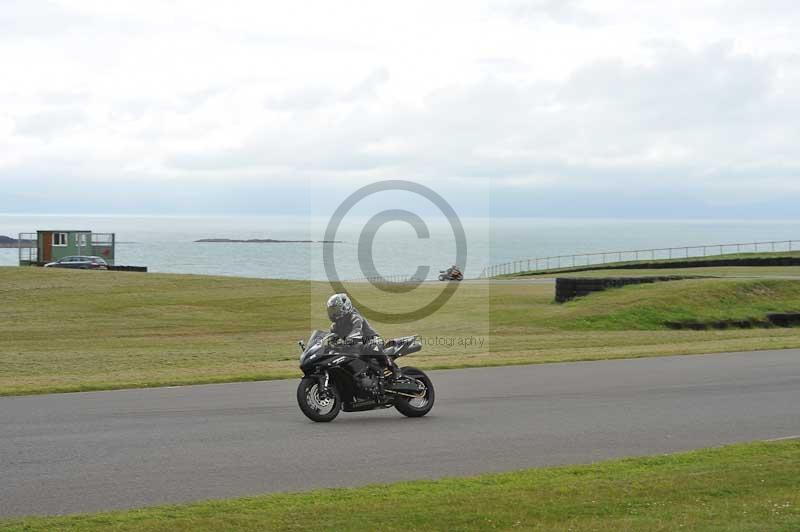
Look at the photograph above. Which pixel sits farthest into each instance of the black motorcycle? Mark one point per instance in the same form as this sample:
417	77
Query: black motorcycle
451	275
340	377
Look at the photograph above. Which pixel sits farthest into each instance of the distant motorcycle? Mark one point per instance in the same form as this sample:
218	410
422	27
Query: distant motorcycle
339	377
451	275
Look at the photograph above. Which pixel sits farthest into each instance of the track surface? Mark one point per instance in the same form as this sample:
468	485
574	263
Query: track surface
94	451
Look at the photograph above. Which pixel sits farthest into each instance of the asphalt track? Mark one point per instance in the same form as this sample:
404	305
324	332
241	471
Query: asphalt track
102	450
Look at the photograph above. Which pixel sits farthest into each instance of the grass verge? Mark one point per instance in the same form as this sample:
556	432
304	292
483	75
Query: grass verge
63	331
735	488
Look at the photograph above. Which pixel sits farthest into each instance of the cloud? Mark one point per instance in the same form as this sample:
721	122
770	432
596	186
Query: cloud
48	123
708	117
536	97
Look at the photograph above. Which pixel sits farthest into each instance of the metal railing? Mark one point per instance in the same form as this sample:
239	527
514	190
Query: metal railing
577	260
389	279
28	248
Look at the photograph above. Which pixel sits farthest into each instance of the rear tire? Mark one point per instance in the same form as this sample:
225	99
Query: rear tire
314	407
420	406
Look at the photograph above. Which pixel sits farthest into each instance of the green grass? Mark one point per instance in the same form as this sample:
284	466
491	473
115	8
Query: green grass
658	267
751	487
696	300
66	330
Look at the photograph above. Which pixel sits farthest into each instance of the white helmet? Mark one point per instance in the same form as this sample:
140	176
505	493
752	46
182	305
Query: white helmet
339	305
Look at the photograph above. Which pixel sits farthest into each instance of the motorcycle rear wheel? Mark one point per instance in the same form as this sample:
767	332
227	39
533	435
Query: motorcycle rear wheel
419	406
313	405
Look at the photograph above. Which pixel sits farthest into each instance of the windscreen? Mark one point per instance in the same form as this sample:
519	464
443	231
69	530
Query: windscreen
316	337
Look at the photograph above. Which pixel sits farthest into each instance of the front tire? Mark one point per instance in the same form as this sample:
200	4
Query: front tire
418	406
315	406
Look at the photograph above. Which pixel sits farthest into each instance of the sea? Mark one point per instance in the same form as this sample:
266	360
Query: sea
168	243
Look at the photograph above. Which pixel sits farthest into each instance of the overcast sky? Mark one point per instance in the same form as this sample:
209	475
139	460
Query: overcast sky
561	108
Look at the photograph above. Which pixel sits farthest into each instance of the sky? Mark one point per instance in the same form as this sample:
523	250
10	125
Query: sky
603	108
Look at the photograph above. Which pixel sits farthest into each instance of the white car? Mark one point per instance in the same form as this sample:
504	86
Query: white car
79	262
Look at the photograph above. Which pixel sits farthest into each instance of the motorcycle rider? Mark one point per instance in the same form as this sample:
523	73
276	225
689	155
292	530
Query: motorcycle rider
353	329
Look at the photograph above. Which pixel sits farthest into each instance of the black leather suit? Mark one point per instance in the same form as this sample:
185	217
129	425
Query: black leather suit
354	331
353	328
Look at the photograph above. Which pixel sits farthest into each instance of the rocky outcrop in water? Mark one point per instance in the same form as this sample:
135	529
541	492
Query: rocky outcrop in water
8	242
266	241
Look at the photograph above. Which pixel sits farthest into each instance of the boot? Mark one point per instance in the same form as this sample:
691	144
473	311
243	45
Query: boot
391	371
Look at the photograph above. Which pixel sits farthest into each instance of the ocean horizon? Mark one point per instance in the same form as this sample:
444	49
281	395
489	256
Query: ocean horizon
168	243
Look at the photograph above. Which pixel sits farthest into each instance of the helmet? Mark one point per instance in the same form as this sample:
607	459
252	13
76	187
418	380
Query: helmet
339	305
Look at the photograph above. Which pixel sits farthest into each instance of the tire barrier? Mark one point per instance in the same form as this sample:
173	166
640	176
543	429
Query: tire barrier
718	325
568	288
784	319
142	269
775	319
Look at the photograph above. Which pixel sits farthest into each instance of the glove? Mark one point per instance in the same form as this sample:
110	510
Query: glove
334	341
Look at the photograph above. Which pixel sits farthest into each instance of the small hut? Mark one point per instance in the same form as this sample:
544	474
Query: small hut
51	245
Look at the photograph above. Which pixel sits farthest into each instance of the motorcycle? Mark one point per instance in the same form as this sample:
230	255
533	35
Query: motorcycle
339	377
450	275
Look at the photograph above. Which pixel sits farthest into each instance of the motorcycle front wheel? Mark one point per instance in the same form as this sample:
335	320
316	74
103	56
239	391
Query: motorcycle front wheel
421	404
318	406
